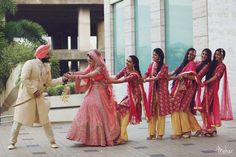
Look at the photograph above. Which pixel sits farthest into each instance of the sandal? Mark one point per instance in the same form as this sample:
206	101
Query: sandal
207	134
214	133
186	135
151	137
120	141
175	137
159	137
198	133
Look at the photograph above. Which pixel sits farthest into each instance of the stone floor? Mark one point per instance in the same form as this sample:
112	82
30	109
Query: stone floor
33	143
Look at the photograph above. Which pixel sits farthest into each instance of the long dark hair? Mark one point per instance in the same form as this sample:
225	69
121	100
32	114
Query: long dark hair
136	63
184	62
214	63
209	54
160	53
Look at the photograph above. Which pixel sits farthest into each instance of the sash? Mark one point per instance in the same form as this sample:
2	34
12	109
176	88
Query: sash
226	108
134	117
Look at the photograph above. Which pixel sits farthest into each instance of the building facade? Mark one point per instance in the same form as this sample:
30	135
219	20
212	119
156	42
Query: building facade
73	26
139	26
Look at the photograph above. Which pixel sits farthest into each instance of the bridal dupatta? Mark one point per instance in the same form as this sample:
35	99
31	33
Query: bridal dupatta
81	86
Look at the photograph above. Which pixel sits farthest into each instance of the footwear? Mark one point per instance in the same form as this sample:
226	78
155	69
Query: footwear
159	137
54	145
11	146
198	133
210	133
207	134
214	133
120	141
151	137
187	135
175	137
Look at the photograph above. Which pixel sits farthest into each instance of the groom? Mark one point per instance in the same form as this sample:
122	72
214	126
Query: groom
30	105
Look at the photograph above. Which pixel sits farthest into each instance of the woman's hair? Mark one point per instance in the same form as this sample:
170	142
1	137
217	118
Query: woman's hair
136	63
214	63
184	62
207	61
160	53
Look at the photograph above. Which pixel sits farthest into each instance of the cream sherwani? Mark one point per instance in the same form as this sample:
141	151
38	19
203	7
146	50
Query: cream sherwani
35	76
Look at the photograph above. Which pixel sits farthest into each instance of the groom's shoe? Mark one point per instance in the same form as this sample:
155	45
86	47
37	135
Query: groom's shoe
11	146
54	145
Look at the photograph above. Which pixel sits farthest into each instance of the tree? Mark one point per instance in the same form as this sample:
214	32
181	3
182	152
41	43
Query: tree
5	5
8	49
26	29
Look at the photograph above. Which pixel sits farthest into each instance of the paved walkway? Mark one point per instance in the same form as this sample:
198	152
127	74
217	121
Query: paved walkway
33	143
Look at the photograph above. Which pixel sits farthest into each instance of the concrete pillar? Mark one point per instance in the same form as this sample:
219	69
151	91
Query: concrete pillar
200	24
129	28
84	28
157	24
109	47
100	36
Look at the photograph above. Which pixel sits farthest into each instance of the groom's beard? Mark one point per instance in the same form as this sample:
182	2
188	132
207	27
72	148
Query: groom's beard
45	60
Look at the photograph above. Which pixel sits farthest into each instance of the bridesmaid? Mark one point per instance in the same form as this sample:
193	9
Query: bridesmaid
213	113
182	93
158	95
201	70
130	108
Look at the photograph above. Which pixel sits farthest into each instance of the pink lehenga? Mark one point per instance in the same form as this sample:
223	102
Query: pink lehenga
96	121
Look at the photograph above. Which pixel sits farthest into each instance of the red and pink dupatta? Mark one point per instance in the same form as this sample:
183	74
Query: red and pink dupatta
226	109
79	87
190	68
223	113
134	116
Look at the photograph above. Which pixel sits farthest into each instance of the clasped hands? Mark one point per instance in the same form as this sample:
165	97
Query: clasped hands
204	84
71	76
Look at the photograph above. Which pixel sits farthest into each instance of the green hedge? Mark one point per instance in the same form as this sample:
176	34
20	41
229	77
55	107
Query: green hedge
58	89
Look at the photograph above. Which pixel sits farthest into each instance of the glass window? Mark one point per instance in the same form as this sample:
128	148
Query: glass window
179	30
119	40
142	33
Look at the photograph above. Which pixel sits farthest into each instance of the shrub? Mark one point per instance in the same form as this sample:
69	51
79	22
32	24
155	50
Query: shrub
12	55
58	89
72	87
55	69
